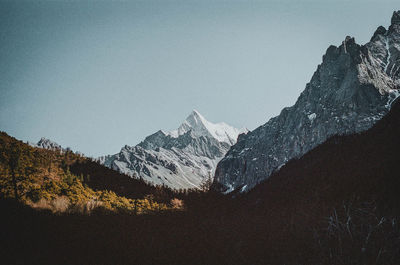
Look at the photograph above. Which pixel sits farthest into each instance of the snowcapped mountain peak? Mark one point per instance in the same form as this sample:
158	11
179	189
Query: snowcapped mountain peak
200	126
196	114
195	121
182	158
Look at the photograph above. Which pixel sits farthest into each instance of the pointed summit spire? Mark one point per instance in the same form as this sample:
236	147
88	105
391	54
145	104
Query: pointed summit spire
196	113
200	126
195	119
395	17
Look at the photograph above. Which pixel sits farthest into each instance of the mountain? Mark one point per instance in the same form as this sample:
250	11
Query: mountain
180	159
48	144
351	89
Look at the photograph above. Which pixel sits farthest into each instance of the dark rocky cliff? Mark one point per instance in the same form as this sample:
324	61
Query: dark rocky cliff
351	89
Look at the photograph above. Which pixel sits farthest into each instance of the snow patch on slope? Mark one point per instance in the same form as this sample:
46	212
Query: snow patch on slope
312	116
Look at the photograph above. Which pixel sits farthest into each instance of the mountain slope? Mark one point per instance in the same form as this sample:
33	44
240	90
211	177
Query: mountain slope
351	89
180	159
346	191
342	195
65	181
363	166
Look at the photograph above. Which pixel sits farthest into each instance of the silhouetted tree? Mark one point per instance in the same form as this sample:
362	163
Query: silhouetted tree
206	183
14	166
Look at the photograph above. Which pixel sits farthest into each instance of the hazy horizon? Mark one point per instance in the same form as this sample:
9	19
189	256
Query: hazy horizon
95	76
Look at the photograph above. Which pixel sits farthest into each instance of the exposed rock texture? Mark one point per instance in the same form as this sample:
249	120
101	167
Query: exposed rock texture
48	144
351	89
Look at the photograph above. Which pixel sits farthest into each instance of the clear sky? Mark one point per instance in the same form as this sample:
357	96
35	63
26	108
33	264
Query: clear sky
96	75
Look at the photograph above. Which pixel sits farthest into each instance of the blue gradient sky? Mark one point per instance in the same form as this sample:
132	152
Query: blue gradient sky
95	76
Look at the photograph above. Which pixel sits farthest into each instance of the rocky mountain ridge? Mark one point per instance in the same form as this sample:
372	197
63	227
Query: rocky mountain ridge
48	144
351	89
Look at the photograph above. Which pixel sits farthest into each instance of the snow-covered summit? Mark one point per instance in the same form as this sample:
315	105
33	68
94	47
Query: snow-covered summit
182	158
199	126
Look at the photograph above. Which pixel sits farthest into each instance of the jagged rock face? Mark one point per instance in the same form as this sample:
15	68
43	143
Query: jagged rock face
180	159
351	89
51	145
48	144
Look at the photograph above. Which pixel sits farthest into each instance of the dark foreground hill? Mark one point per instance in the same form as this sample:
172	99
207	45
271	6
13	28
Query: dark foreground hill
338	204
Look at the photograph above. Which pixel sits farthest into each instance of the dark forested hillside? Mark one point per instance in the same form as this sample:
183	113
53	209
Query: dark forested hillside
64	181
346	192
